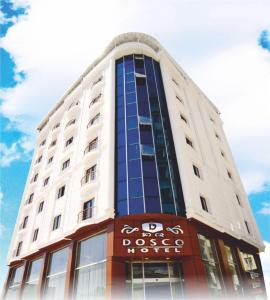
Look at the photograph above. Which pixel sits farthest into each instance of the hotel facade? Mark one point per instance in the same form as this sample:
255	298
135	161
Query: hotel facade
133	192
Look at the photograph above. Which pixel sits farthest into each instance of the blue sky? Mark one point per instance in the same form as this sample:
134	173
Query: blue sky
225	48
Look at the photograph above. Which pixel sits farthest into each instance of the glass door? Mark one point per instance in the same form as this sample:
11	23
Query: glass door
155	281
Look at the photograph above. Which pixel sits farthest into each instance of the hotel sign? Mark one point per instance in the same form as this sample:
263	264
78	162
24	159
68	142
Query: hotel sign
163	236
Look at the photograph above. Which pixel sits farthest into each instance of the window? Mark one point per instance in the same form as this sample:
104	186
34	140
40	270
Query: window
204	204
196	171
189	142
95	100
35	235
65	164
173	80
53	143
34	179
50	160
69	141
234	269
15	283
56	275
247	227
211	265
248	261
217	136
97	81
19	248
42	143
40	207
183	118
179	99
90	175
56	222
39	159
71	122
30	290
229	174
222	153
46	181
91	146
91	268
212	120
94	120
30	199
88	209
56	126
61	191
24	223
238	199
73	104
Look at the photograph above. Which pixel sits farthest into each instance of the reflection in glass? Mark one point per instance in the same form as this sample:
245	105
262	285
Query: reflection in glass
15	283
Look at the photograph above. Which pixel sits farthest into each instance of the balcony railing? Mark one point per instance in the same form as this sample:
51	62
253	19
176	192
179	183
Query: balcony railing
93	121
88	178
86	214
95	100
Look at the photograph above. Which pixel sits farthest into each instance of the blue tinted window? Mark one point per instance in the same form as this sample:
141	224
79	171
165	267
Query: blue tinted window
133	151
121	138
131	98
139	66
146	134
133	136
130	87
152	204
134	168
132	109
149	167
132	122
121	154
129	77
121	171
136	205
135	187
151	187
122	190
122	207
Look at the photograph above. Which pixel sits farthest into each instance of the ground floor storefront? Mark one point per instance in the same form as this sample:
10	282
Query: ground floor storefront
153	256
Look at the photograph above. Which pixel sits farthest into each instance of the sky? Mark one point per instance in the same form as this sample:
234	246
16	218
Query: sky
223	45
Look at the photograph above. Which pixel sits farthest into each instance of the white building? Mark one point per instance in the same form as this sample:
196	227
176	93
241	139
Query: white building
98	160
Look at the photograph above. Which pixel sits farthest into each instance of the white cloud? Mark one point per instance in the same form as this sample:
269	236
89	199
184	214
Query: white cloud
265	260
20	150
53	54
265	210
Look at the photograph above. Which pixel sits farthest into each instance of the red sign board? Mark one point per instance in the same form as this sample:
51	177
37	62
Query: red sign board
151	236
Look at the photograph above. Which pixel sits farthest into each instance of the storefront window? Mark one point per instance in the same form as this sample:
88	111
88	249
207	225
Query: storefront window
56	275
90	280
211	265
234	269
31	285
15	283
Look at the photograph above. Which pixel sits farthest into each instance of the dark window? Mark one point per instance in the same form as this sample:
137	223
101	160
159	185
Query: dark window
97	81
212	120
95	100
173	80
217	136
50	160
91	172
93	120
24	223
56	126
42	143
88	209
183	118
53	143
56	222
179	99
35	235
69	141
39	159
46	181
189	142
204	204
229	174
65	164
238	199
91	146
71	122
40	207
30	199
19	248
222	153
196	171
61	191
34	179
247	227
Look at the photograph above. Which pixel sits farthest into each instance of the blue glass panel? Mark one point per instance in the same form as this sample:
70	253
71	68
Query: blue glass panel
122	208
121	111
120	101
122	190
149	167
146	134
121	154
134	168
131	98
139	66
133	136
152	204
132	122
136	205
129	77
145	120
132	109
151	187
130	87
147	150
133	151
121	138
135	187
129	65
121	171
